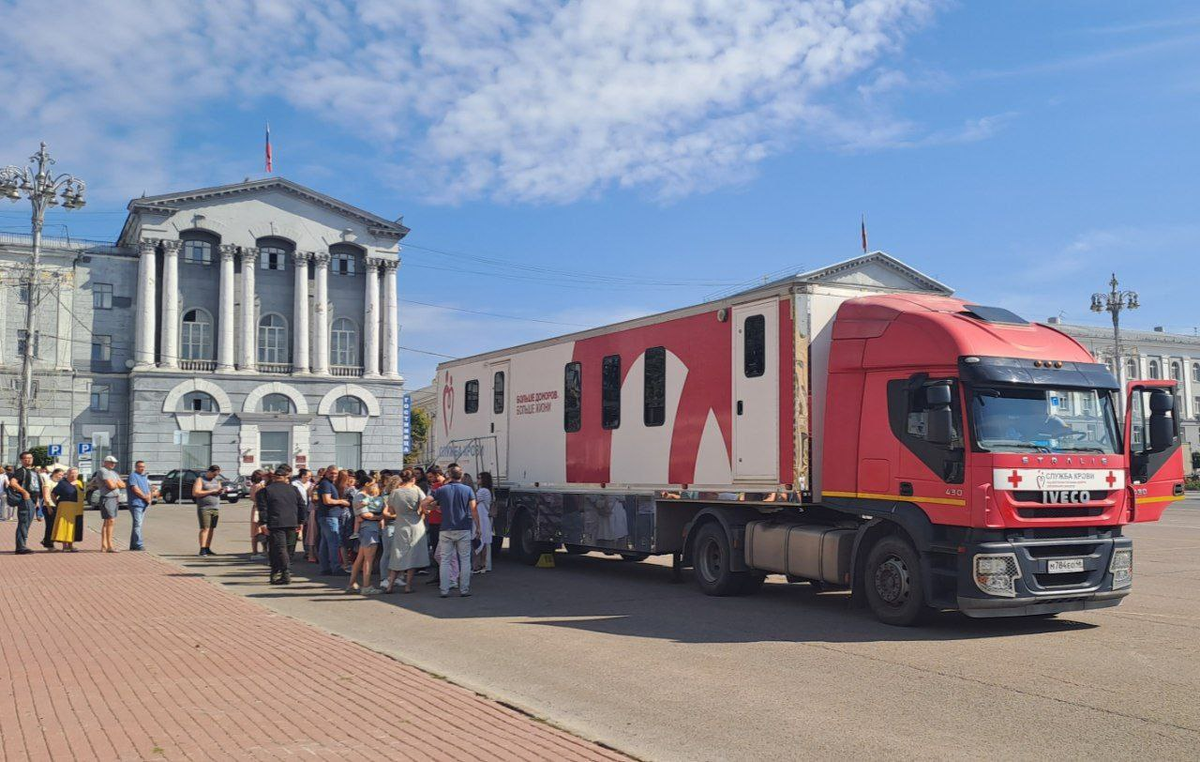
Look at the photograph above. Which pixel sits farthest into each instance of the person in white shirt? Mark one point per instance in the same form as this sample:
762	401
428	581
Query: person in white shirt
301	484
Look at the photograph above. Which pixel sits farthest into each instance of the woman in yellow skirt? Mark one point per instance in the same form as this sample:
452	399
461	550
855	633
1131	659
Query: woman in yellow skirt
68	495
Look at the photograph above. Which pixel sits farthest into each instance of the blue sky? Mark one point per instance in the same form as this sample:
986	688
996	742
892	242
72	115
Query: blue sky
1018	151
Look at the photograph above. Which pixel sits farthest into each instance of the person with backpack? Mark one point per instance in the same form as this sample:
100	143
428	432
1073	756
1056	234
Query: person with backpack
25	488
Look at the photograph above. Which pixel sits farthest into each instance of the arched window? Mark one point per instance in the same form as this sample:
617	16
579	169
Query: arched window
273	253
277	403
198	402
198	247
1131	369
196	336
349	405
272	339
343	343
1176	371
343	258
1154	369
1196	371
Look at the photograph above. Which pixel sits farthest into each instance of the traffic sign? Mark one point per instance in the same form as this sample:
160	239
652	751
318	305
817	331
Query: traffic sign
84	448
54	451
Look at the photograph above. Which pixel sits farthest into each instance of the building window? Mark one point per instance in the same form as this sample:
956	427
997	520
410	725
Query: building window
102	294
347	449
1131	369
196	252
349	405
610	392
572	396
1155	373
498	392
343	343
1196	371
471	397
274	449
101	348
99	400
1176	371
23	293
654	412
343	259
198	402
196	451
272	340
22	335
196	335
754	346
277	403
1196	407
272	258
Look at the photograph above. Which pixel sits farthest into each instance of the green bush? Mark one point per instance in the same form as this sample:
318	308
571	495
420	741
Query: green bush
41	455
1192	483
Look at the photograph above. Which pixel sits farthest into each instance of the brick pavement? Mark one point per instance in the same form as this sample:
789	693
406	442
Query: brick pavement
128	657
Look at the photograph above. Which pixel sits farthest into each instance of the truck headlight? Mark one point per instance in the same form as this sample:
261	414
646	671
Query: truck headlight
1121	567
997	573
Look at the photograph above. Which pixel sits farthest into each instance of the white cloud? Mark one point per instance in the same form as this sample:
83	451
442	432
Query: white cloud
518	100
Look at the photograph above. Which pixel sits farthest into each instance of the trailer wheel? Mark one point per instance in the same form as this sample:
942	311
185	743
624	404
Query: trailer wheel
710	558
893	582
524	547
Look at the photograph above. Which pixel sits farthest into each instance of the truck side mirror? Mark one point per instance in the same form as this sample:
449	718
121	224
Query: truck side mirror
1162	426
939	426
937	396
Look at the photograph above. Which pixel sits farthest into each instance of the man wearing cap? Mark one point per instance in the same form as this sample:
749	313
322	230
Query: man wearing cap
107	482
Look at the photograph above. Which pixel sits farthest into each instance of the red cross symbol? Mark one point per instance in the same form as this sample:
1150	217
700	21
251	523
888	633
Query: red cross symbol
1015	479
1111	479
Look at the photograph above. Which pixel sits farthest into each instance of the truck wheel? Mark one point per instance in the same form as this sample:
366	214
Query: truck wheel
893	582
633	558
711	557
522	543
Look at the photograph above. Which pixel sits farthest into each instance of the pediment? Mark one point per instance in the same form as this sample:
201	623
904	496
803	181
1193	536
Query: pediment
875	270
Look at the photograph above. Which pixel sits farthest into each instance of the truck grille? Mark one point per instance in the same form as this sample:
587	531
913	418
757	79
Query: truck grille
1064	512
1035	496
1055	581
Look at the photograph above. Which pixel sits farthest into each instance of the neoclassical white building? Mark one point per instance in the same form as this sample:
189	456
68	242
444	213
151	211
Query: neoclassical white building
247	325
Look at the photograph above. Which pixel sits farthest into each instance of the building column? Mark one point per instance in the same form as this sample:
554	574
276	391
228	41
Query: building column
225	317
249	324
170	305
146	291
320	361
371	320
300	312
391	320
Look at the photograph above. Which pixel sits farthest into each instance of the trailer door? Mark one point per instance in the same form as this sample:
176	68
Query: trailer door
497	442
756	391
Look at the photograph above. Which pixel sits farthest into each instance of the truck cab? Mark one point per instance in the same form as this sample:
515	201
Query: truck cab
993	456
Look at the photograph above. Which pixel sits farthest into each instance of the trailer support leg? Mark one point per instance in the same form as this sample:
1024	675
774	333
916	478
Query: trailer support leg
677	567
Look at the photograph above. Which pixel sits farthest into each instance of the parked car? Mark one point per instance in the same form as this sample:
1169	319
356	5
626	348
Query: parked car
179	483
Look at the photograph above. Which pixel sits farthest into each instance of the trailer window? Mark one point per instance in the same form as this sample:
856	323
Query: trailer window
572	396
654	412
754	346
610	392
498	392
471	397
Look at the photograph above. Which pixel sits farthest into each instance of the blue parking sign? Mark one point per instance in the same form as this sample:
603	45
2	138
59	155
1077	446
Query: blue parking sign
54	451
85	448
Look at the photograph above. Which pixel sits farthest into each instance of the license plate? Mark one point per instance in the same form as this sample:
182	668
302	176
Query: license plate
1064	565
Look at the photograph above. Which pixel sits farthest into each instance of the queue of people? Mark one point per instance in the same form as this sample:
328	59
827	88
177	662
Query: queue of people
56	497
380	529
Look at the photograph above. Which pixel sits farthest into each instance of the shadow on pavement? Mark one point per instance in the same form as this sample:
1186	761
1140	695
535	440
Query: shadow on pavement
601	594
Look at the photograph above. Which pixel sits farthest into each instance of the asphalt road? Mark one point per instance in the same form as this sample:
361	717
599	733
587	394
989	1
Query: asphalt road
617	653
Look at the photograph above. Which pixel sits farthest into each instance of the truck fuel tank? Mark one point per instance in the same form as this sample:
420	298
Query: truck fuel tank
799	550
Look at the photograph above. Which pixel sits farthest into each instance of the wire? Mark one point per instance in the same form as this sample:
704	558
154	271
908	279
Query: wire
496	314
427	352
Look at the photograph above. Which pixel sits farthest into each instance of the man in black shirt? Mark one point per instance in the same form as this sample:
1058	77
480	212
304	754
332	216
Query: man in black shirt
26	487
281	512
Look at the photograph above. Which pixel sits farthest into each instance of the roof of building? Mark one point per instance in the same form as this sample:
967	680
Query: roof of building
172	202
865	264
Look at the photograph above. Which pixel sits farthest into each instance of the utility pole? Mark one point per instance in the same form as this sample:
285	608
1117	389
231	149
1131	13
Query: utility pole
1113	302
43	191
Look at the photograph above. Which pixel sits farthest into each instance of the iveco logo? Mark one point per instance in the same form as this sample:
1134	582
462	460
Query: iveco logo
1075	496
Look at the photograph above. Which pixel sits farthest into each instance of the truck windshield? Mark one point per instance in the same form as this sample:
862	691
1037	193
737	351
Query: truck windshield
1038	419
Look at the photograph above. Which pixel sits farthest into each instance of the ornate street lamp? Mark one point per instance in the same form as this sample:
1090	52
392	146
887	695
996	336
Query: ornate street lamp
43	190
1113	302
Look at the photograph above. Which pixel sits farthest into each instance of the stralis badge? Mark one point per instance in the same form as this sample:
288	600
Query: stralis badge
1041	479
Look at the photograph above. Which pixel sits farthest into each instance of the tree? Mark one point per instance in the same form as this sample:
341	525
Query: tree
41	455
420	435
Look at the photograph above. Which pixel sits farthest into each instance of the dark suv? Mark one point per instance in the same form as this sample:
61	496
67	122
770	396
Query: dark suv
181	481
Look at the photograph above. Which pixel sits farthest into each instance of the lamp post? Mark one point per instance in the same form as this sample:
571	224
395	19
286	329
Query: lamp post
1113	302
43	190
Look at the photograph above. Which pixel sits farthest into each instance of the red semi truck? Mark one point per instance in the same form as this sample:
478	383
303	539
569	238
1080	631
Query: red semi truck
856	426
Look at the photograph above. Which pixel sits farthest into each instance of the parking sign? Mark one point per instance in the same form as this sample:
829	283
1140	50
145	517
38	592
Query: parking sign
54	451
85	448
